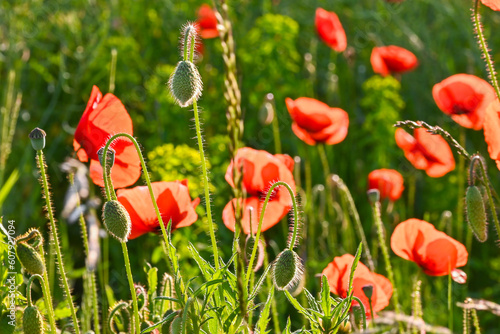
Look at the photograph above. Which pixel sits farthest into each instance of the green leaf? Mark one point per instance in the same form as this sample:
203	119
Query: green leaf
264	315
205	267
152	280
354	266
299	307
7	186
325	296
158	324
287	327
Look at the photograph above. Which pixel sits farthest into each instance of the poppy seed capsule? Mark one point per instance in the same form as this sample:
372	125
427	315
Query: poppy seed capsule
32	321
110	161
368	290
287	269
185	83
117	220
37	137
373	195
30	258
476	213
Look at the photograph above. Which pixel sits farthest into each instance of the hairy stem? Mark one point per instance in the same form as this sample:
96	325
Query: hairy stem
132	288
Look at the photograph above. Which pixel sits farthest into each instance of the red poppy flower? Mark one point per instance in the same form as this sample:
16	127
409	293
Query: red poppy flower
260	171
491	129
493	4
465	98
315	122
330	30
434	251
338	272
207	22
392	59
426	151
102	118
388	181
173	201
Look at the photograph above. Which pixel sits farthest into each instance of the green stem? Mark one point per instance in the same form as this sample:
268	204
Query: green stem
55	238
484	48
132	289
385	253
450	303
91	276
490	198
371	311
206	186
47	297
112	72
461	190
292	240
326	170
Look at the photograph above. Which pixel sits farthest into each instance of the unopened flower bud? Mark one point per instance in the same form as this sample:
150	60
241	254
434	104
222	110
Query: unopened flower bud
37	137
30	258
476	213
368	290
249	244
185	83
345	328
110	159
33	321
373	195
287	269
117	220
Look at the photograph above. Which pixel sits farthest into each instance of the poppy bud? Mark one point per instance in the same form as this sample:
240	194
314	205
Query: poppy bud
37	137
30	258
110	159
117	220
373	195
32	321
368	290
185	83
249	243
287	269
176	325
476	213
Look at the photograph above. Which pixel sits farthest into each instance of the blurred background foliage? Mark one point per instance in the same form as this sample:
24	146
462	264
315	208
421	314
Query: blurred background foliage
59	49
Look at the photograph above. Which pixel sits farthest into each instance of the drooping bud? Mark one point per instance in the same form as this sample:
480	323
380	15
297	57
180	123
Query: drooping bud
32	321
368	290
110	159
185	83
37	137
476	213
287	269
117	220
373	195
249	244
30	258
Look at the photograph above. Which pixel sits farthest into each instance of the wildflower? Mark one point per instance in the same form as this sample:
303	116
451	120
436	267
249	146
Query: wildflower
388	181
102	118
426	151
330	30
337	273
207	22
392	59
435	252
260	170
173	201
465	98
491	129
493	4
315	122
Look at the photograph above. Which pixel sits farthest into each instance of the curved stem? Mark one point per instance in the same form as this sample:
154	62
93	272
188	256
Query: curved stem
53	228
206	184
293	238
132	289
484	48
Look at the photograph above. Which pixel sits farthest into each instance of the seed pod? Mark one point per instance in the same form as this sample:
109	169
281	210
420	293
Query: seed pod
110	159
185	83
32	321
259	260
476	213
368	290
30	258
37	137
287	269
373	195
117	220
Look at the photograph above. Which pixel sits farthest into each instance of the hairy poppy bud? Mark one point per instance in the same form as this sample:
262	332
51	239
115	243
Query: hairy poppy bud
32	321
287	269
185	83
368	290
30	258
110	159
117	220
37	137
249	244
476	213
373	195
